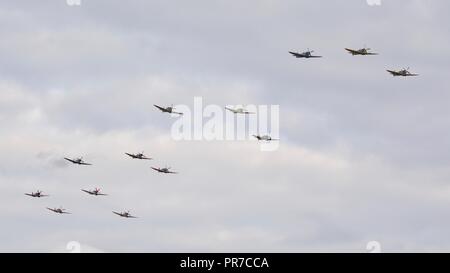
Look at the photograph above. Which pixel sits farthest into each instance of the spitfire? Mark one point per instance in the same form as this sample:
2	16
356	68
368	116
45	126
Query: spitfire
125	214
363	51
95	192
169	109
402	73
307	54
239	111
163	170
37	194
59	210
78	161
138	156
264	138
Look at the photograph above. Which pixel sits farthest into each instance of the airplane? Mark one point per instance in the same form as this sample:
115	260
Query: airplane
36	194
163	170
403	73
363	51
264	137
239	111
78	161
125	214
59	210
168	109
138	156
306	54
95	192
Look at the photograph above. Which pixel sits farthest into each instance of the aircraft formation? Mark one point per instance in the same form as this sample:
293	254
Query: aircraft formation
361	52
97	191
171	110
139	156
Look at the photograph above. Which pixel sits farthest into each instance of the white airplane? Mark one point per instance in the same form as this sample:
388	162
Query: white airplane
125	214
59	210
169	109
138	156
163	170
264	138
95	192
37	194
239	111
78	161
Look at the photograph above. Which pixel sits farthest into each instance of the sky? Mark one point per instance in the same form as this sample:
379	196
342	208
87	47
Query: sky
363	156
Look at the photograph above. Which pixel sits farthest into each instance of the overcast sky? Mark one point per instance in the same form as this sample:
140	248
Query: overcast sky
363	156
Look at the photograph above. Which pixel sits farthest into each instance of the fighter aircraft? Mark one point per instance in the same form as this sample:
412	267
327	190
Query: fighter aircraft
403	73
59	210
163	170
239	111
36	194
95	192
125	214
78	161
264	137
169	109
138	156
363	51
306	54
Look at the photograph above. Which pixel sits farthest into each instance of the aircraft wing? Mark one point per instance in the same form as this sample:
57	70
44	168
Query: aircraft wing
68	159
312	56
160	108
29	194
156	169
51	209
102	194
232	110
352	51
131	216
413	75
394	73
146	158
86	191
297	55
130	155
83	163
117	213
178	113
172	172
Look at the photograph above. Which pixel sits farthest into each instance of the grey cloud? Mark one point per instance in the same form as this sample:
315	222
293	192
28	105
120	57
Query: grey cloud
363	156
